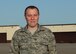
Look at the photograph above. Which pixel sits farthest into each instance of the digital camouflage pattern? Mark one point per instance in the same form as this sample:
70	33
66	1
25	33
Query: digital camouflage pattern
41	42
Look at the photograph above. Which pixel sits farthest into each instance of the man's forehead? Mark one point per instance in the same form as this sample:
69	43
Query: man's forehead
31	9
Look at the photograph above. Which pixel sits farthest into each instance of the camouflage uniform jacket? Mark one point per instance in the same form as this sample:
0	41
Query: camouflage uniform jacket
41	42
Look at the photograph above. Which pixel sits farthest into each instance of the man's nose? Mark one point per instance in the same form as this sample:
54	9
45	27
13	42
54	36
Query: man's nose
32	18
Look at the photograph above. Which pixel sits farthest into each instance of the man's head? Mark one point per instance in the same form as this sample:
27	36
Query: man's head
31	15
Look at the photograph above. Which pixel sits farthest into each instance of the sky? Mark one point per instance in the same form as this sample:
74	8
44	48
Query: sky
51	11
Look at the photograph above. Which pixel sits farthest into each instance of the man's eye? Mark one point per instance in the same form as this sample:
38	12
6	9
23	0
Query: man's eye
29	15
35	15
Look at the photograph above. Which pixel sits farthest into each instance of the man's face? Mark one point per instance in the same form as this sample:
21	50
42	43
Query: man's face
32	17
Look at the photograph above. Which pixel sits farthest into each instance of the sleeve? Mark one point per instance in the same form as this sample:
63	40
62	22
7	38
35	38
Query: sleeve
52	43
14	44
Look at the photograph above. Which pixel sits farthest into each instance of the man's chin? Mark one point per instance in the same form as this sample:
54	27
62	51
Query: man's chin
33	26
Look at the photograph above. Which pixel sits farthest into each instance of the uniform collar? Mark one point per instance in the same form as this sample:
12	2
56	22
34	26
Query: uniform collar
40	28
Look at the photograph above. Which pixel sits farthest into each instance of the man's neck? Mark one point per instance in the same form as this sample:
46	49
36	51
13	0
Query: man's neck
32	29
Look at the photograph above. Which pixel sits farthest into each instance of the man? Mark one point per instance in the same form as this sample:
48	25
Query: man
33	38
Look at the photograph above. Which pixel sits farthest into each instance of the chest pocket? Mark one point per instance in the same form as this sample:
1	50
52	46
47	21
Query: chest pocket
24	43
42	39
